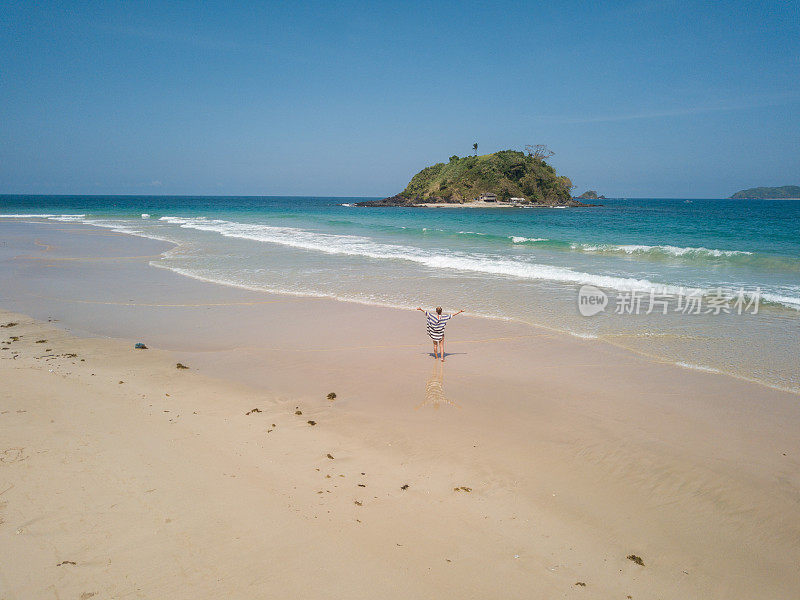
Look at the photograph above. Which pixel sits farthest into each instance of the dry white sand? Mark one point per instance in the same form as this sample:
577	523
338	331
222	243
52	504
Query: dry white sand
534	462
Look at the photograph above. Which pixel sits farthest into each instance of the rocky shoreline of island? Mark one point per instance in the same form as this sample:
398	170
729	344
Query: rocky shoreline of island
401	201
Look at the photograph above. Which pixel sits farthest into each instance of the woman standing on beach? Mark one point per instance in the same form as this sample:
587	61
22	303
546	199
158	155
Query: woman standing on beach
436	323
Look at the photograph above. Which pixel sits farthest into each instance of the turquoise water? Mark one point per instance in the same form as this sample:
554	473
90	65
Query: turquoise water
519	264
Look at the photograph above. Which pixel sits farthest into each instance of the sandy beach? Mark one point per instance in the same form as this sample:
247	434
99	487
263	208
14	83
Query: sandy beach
529	465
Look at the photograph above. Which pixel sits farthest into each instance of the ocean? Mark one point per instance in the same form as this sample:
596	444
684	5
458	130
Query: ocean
708	284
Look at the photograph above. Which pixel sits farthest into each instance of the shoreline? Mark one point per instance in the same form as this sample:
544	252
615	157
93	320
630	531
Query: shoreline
681	364
525	324
576	453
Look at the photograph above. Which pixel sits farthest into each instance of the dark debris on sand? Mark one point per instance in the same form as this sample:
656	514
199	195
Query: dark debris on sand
635	559
181	366
253	410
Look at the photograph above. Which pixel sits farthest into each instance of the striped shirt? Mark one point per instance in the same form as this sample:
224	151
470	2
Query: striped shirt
436	325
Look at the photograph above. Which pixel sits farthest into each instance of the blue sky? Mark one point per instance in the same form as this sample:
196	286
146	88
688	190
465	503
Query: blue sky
660	99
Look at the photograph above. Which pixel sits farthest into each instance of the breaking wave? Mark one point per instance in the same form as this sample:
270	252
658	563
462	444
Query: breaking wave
639	249
353	245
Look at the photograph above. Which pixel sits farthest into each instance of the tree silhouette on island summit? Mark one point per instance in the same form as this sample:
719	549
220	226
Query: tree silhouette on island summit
435	326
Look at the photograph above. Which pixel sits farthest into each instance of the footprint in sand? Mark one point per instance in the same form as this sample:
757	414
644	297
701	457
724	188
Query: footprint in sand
12	455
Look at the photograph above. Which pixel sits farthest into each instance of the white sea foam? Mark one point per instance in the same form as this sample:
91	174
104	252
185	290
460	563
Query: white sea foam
116	225
518	239
145	216
39	216
352	245
790	301
583	336
662	249
275	290
697	367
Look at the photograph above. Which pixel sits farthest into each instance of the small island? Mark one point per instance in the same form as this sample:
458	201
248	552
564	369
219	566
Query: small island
590	195
505	178
786	192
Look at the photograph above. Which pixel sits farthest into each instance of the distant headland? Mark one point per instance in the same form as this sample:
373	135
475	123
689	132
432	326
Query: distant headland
769	193
590	195
505	178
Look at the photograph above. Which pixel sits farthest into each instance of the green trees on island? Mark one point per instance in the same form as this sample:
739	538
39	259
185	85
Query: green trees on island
508	174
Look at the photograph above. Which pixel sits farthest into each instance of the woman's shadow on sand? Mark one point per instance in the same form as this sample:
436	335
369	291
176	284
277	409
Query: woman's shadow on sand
446	354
